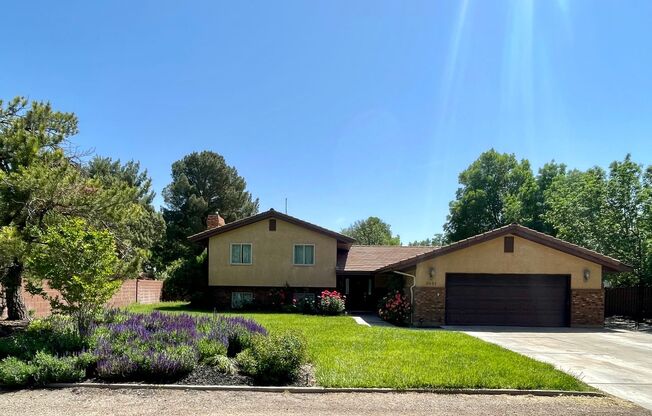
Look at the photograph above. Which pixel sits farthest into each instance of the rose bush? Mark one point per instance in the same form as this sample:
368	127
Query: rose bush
395	308
331	303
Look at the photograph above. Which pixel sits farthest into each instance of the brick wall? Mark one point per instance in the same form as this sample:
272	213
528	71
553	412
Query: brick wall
220	296
131	291
429	306
587	307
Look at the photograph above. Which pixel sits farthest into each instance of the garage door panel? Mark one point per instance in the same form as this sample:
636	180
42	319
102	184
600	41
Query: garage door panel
524	300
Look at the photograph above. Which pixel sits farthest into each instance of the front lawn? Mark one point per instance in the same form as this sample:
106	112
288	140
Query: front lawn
346	354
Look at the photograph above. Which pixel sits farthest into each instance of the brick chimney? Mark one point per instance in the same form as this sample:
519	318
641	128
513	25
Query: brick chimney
214	221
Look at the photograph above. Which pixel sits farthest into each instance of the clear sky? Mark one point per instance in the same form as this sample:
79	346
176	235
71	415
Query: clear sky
347	108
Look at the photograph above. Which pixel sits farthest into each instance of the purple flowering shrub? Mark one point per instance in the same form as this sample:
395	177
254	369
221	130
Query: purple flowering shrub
160	347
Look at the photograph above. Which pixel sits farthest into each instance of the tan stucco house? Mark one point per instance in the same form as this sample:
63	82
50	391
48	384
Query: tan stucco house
509	276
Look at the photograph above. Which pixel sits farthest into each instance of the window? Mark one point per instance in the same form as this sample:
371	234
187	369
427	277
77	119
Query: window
509	244
300	296
240	253
240	300
272	225
304	254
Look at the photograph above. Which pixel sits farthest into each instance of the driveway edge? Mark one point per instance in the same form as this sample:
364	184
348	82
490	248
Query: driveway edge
324	390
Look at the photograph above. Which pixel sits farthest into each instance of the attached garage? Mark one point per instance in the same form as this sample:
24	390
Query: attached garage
507	299
508	276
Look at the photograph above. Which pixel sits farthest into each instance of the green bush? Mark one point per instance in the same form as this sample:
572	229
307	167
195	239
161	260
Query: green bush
273	360
223	363
55	335
16	373
51	369
185	279
210	348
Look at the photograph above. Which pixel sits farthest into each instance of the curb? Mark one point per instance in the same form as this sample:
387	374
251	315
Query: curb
323	390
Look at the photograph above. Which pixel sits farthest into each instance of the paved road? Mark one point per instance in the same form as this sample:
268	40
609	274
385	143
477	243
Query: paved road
618	362
90	402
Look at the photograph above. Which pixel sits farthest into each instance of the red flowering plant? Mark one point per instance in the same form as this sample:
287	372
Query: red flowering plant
331	303
395	308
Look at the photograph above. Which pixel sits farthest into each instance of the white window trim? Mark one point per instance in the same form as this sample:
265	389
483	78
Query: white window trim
314	255
231	252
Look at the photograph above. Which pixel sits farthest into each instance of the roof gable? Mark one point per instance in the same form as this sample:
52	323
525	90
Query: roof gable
266	215
609	263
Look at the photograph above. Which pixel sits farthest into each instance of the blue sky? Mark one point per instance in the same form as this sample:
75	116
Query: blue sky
347	108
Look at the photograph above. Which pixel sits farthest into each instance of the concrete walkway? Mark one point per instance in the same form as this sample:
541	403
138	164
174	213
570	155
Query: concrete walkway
368	319
617	362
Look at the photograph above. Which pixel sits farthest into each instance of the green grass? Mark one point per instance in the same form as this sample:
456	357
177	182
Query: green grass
346	354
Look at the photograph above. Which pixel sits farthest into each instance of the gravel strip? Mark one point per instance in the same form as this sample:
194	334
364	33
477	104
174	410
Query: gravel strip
88	402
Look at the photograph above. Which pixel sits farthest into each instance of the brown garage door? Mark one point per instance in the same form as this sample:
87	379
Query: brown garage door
507	299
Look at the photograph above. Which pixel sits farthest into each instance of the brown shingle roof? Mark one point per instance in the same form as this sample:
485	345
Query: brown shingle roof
609	263
371	258
265	215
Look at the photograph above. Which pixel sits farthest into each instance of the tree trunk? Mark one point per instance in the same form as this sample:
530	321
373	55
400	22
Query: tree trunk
13	292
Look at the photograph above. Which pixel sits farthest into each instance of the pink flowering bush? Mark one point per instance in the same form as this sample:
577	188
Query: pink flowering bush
331	303
395	308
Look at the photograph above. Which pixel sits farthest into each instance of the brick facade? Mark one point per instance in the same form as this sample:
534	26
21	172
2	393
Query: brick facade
587	307
429	306
264	297
131	291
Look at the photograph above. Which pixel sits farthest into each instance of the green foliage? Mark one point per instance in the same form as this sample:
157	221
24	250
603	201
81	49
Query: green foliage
330	303
275	359
373	232
437	240
52	369
608	212
54	335
495	190
185	279
202	184
16	373
223	363
239	340
42	182
80	262
210	348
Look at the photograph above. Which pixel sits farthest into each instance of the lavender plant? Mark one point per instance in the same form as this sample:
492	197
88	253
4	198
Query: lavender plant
162	347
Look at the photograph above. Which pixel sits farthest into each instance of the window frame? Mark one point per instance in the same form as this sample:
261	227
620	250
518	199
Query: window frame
243	304
251	254
314	255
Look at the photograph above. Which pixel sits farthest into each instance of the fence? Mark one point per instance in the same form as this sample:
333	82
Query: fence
628	301
131	291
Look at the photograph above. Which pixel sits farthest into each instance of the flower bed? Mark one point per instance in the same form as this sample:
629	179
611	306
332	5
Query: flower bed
153	347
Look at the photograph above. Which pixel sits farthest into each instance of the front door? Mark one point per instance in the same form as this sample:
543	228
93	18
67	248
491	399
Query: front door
358	291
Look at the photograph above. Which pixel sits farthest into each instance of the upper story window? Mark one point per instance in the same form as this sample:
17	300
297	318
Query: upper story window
304	254
241	253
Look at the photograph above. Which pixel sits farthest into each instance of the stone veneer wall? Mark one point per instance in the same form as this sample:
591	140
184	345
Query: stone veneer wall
587	307
429	306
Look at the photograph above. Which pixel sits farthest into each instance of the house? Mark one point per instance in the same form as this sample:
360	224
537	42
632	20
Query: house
509	276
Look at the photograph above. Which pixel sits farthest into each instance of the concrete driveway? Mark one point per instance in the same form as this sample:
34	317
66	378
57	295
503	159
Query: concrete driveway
618	362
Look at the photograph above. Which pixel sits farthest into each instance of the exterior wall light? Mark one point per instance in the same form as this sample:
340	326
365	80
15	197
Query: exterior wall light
587	274
431	273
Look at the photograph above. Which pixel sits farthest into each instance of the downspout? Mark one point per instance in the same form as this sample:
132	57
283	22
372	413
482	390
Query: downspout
414	283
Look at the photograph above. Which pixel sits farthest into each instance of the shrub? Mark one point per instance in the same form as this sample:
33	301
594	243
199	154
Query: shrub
395	308
51	369
307	306
209	348
15	373
185	279
223	363
331	303
273	360
55	335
